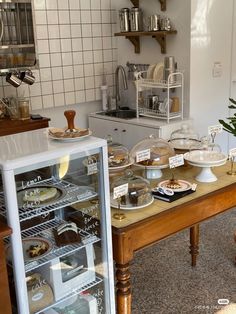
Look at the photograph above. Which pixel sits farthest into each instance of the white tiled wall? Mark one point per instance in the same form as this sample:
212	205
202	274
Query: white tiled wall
75	46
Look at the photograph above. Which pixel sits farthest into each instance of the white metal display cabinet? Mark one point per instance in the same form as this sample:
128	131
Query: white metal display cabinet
30	161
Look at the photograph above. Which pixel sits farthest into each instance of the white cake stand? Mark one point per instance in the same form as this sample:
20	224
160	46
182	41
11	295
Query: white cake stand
205	160
153	172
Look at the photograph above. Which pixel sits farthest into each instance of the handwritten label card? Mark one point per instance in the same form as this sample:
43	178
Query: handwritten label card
215	129
92	167
143	155
176	161
120	190
232	152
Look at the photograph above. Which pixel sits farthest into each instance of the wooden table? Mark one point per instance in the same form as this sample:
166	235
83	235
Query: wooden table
146	226
8	126
5	302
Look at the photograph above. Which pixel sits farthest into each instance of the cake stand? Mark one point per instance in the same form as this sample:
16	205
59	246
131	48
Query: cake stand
205	160
152	172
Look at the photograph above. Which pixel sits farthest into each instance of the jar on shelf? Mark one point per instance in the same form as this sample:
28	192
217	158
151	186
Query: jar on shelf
24	109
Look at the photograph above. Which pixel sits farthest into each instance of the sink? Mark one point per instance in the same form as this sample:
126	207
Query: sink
122	114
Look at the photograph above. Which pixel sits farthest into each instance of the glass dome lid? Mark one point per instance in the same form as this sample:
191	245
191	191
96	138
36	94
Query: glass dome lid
152	151
118	154
139	190
184	137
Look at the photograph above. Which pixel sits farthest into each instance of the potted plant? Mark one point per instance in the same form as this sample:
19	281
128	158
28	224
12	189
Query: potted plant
231	125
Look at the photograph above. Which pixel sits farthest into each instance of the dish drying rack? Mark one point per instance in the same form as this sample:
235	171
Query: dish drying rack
149	86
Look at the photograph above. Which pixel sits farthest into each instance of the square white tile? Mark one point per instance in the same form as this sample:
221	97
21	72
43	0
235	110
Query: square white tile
40	17
64	17
86	17
51	4
52	17
85	4
106	30
46	88
89	82
46	74
106	16
86	30
88	70
35	89
44	60
58	86
96	4
77	57
96	16
76	31
69	85
74	4
96	30
70	98
67	58
107	55
90	95
57	73
88	57
63	4
105	4
39	4
42	31
77	44
68	72
54	45
53	31
65	31
66	45
59	100
79	83
97	43
106	43
36	102
79	97
48	101
43	46
56	59
78	70
75	17
87	44
97	56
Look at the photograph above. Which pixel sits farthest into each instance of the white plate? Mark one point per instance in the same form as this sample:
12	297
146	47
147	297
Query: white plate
150	71
69	139
185	144
129	207
185	185
113	169
158	72
205	157
26	243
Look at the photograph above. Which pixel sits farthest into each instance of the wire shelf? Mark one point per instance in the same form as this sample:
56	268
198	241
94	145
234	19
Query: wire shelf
73	194
97	281
45	230
155	113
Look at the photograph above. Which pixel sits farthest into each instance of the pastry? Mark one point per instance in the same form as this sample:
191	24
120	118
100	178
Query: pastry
37	250
66	233
116	158
41	194
173	184
136	197
158	156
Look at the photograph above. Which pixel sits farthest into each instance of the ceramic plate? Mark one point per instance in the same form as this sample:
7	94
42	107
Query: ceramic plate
158	72
205	157
185	185
27	243
185	144
129	206
113	169
150	71
69	139
35	190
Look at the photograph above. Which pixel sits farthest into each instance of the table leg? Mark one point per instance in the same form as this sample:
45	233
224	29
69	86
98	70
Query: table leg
123	286
194	243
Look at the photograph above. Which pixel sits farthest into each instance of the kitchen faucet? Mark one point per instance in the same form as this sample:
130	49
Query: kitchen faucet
117	83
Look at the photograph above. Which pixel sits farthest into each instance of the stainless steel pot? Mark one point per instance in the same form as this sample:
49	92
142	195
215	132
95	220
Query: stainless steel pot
136	19
124	20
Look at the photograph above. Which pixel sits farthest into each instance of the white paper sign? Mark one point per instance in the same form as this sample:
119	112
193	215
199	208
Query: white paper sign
215	129
232	152
92	166
120	190
143	155
176	161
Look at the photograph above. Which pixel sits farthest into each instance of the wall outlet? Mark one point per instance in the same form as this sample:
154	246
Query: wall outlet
217	69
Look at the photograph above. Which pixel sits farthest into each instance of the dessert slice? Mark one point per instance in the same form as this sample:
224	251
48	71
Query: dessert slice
66	233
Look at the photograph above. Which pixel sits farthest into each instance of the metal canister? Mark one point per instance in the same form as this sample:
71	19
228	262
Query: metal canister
136	19
124	20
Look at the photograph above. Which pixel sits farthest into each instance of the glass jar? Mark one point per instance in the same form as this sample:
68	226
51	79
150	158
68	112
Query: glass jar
24	109
139	190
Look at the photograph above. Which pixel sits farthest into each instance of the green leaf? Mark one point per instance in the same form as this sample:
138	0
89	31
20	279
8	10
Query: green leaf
232	100
227	127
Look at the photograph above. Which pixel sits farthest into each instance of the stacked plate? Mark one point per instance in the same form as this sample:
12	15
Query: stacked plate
155	72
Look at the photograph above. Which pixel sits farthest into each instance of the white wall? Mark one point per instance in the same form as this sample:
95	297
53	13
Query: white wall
211	32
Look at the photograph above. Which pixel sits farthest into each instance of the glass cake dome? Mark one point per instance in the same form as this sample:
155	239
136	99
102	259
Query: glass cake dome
152	154
118	155
139	192
184	138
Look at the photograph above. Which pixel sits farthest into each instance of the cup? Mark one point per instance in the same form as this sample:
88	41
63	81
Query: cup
175	104
13	79
24	109
153	23
27	77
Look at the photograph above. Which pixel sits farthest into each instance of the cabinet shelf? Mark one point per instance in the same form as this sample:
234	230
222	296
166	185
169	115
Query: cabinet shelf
162	3
160	37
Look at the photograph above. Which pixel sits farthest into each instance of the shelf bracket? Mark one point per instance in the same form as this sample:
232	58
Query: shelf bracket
163	5
135	3
162	42
136	42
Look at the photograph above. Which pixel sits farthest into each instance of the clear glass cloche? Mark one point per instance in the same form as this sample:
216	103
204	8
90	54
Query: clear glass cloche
139	190
184	138
152	151
118	154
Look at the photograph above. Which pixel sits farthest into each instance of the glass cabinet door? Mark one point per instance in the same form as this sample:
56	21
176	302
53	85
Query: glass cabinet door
60	251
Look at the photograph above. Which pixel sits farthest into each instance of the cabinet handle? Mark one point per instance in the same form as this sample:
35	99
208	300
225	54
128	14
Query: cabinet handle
115	129
124	131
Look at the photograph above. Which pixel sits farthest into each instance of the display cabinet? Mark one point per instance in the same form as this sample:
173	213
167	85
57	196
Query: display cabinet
55	197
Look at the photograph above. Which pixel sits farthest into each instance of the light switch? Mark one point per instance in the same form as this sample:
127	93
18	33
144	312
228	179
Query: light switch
217	69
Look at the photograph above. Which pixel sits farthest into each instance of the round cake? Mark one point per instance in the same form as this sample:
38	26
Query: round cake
41	194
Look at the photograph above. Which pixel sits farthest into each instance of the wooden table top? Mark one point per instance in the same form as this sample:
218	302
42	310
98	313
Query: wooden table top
185	173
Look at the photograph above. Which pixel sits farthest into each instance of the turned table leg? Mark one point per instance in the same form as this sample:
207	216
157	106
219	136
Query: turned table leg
194	243
123	286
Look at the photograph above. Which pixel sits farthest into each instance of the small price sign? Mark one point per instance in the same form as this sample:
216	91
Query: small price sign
143	155
176	161
92	166
120	190
215	129
232	152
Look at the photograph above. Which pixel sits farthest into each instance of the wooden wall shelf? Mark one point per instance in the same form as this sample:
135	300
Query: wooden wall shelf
160	37
162	2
